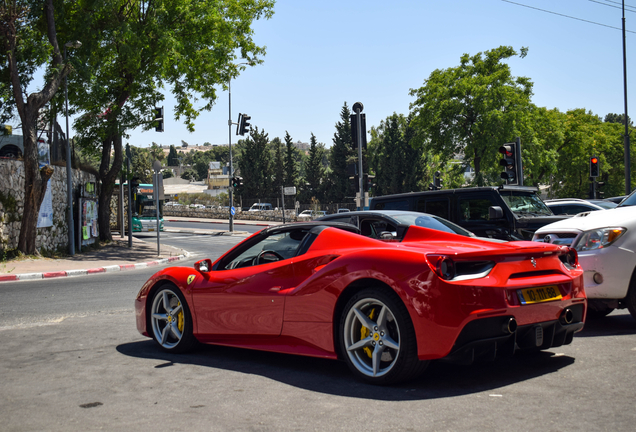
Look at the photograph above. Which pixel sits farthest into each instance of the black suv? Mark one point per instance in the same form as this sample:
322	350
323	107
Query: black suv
502	212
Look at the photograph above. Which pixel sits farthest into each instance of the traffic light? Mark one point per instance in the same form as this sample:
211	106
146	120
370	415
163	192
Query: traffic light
437	181
509	162
159	119
594	169
237	182
243	124
599	192
368	182
354	130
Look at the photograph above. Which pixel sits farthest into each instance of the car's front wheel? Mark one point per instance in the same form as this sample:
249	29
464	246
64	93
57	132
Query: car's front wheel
170	320
378	339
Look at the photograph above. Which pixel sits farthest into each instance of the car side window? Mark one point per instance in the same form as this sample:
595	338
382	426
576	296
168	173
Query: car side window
283	245
474	209
374	227
436	206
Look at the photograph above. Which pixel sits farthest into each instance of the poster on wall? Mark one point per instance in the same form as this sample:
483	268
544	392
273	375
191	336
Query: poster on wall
45	217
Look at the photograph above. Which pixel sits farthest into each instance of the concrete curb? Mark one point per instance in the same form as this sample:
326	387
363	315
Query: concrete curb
84	272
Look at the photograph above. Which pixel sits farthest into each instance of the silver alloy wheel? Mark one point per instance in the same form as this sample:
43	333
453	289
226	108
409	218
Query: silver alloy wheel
167	318
371	337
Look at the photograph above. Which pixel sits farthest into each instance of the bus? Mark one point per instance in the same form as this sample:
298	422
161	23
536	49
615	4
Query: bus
144	217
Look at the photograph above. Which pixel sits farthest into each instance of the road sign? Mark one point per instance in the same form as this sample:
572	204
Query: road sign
290	190
232	210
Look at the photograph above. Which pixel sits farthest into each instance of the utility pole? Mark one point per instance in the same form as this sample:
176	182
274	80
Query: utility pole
628	179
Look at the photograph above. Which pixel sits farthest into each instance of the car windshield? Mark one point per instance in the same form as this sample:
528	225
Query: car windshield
629	201
525	203
432	222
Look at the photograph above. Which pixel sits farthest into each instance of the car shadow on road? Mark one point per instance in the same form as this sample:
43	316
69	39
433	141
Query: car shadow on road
616	324
441	380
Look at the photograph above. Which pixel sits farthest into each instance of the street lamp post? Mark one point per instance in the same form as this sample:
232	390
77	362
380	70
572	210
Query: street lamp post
69	173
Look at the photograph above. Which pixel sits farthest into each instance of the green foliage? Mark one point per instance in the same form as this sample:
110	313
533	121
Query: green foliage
173	157
472	109
278	165
189	174
398	166
341	154
292	157
167	174
314	170
255	165
141	164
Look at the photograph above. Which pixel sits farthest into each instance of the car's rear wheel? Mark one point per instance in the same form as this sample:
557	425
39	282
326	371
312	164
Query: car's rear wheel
378	340
170	320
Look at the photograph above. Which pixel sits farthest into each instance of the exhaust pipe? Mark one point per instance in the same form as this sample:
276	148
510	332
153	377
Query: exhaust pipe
567	316
510	326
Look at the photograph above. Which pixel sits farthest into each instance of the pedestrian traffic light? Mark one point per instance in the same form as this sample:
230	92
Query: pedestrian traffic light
158	119
243	124
369	182
437	180
237	182
509	162
594	169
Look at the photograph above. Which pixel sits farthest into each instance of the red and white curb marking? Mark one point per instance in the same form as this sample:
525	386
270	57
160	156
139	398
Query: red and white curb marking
71	273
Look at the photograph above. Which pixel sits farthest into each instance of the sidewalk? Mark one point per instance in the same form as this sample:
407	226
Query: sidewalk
116	256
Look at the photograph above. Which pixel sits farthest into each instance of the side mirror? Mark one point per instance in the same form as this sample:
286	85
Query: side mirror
387	235
495	212
203	265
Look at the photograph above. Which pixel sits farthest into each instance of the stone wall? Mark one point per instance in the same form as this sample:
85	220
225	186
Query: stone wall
48	239
273	215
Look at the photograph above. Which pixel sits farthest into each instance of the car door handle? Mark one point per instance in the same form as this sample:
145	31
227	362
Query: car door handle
275	289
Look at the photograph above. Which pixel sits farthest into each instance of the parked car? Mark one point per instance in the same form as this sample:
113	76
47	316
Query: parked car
606	244
261	207
393	224
387	308
572	206
307	215
504	212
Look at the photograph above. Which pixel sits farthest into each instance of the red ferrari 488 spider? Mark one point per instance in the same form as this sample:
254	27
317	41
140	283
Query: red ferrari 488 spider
386	307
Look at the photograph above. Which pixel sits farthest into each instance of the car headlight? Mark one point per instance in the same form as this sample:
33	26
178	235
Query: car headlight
598	238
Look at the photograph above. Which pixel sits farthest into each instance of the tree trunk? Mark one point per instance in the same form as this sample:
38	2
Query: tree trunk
107	178
34	189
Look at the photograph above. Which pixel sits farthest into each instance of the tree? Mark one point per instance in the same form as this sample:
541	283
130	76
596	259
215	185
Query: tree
138	49
173	157
157	152
398	166
291	161
255	165
141	164
472	109
29	39
314	168
278	166
340	156
201	168
617	118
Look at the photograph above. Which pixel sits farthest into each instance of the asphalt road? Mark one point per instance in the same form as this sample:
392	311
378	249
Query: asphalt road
72	359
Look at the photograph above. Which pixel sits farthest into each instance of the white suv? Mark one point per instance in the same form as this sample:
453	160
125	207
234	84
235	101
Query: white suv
606	245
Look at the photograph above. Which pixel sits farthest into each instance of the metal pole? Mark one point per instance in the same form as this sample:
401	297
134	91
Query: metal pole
628	180
358	107
129	196
156	189
121	205
229	140
519	161
69	174
282	190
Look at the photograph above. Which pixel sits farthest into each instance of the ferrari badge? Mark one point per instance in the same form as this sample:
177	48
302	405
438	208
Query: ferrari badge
191	278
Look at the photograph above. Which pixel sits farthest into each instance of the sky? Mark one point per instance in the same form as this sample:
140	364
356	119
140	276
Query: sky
321	54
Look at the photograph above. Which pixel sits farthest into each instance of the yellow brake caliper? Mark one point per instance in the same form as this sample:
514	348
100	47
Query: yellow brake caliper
364	332
180	319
